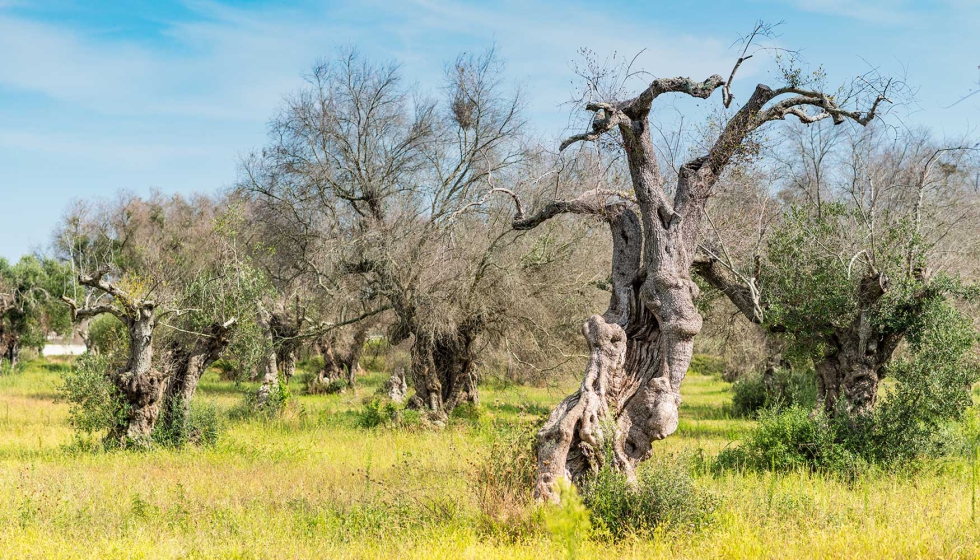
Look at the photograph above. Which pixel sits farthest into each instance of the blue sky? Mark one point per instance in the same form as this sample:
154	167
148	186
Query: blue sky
99	96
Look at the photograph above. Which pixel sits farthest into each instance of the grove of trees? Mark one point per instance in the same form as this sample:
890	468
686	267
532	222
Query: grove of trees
436	222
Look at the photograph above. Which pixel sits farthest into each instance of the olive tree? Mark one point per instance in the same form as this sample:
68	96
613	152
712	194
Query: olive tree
162	262
871	228
640	348
378	193
28	310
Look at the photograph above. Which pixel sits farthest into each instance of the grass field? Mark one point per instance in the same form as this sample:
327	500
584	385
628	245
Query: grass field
314	484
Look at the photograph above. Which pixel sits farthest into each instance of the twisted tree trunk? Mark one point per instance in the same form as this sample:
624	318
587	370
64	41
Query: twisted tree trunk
268	365
641	347
339	364
186	366
443	371
140	385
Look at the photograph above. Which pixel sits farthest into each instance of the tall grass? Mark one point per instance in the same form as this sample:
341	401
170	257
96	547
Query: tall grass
311	483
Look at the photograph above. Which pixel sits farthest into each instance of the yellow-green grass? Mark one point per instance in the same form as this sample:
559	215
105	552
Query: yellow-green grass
314	484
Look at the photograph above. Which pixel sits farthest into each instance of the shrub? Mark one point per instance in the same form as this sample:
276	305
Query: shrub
107	334
95	405
377	412
706	364
178	427
316	387
789	439
664	495
786	388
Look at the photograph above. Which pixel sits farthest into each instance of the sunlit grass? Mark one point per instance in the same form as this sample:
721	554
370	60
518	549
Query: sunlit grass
313	484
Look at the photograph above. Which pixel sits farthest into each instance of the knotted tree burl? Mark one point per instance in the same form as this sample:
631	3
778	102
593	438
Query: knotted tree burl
640	348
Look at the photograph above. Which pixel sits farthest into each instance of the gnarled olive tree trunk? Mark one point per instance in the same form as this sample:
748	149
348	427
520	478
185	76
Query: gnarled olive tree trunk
187	364
139	384
339	363
268	363
641	347
443	371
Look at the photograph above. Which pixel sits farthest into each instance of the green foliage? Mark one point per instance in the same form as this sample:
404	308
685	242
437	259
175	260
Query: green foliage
32	287
568	522
469	412
179	426
107	335
95	405
706	364
377	412
664	495
933	391
789	439
787	387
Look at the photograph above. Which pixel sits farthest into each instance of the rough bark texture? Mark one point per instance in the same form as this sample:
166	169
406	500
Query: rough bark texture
186	365
340	363
641	347
139	384
285	334
443	371
268	364
396	387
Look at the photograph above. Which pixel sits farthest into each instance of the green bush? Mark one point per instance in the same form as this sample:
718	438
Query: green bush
787	387
95	405
178	427
664	495
789	439
107	334
377	412
706	364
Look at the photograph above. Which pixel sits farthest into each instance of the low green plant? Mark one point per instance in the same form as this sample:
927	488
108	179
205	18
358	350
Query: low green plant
790	439
786	387
95	405
377	412
568	521
664	494
179	426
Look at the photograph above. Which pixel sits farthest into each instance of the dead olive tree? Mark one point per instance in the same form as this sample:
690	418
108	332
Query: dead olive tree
640	348
371	187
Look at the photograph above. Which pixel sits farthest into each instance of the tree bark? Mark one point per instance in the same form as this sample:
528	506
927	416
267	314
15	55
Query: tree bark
140	385
443	371
187	365
339	365
268	365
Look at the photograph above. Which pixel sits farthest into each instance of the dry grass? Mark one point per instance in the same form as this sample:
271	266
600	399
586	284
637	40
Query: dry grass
312	484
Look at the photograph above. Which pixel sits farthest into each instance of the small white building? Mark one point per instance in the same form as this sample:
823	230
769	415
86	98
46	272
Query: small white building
63	345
